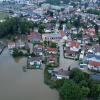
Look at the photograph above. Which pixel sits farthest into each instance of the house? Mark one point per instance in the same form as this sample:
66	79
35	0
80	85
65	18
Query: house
34	62
49	18
49	27
86	39
52	59
11	45
51	37
95	65
35	37
20	44
63	35
59	73
90	31
51	50
82	55
93	57
73	45
74	30
95	76
38	50
71	49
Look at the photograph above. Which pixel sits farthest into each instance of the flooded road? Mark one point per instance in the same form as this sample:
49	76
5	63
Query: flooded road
18	85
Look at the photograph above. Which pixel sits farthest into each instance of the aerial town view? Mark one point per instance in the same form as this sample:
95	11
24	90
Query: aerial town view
49	49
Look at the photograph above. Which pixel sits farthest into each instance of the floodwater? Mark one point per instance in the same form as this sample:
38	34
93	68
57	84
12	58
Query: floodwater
18	85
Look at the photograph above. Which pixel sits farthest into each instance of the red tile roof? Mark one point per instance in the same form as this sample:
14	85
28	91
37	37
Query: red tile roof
89	30
52	49
34	35
50	18
73	44
94	63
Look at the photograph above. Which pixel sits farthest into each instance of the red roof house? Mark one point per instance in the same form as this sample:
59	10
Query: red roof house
52	50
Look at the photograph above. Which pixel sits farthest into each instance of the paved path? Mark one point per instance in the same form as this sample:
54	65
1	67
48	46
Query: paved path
65	63
31	47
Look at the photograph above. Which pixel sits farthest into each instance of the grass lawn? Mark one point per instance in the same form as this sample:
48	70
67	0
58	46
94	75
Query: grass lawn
3	15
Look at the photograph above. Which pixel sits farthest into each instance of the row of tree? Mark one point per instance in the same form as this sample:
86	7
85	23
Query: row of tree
78	87
15	26
57	2
19	25
93	11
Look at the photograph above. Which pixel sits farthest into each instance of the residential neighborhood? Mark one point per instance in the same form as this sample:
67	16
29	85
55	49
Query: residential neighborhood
60	39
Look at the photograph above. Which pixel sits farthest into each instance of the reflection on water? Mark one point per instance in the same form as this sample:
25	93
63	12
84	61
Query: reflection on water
24	69
18	85
17	60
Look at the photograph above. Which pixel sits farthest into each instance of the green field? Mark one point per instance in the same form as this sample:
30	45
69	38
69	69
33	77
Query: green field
3	15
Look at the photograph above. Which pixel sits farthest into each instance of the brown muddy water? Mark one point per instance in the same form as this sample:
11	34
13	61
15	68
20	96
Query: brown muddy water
18	85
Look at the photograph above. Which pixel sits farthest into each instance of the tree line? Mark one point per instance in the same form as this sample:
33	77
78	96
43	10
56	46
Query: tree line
93	11
79	87
12	26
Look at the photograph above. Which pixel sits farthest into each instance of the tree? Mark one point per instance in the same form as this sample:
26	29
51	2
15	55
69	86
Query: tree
17	53
25	26
96	29
84	83
79	35
45	43
41	28
85	91
99	39
77	75
15	26
68	25
98	97
93	11
71	91
53	45
57	2
94	86
59	83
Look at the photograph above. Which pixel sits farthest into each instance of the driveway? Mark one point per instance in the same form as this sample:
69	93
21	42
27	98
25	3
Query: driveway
31	47
65	63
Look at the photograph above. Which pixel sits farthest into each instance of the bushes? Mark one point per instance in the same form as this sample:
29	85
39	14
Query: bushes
47	76
18	53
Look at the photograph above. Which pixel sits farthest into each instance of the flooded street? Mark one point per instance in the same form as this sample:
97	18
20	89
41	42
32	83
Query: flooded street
18	85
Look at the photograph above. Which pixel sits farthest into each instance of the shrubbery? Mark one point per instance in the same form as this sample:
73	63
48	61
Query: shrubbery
18	53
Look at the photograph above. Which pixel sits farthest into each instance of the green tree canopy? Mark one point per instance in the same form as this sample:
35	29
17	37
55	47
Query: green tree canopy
71	91
15	26
41	28
94	89
77	75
